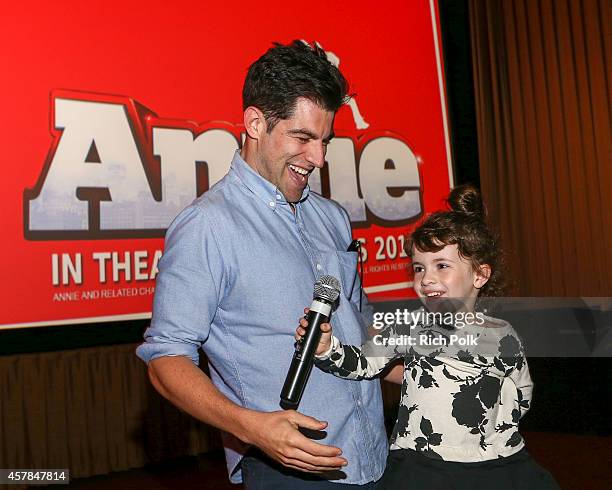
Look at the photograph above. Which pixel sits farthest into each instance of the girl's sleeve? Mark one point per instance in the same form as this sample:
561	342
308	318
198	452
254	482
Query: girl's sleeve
365	362
524	385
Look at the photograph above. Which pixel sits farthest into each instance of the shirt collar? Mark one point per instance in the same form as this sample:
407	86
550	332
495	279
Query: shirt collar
262	188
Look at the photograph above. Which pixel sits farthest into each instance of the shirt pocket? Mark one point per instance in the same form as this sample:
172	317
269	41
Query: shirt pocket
347	262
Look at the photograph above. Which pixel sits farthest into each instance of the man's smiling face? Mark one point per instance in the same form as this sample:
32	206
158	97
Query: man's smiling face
294	148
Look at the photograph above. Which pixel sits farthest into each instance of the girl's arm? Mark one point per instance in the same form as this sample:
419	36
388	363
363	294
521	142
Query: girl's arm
524	385
351	362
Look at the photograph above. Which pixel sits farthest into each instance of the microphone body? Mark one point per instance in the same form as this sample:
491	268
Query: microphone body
303	357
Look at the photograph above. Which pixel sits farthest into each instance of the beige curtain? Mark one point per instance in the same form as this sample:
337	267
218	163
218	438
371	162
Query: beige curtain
542	81
90	410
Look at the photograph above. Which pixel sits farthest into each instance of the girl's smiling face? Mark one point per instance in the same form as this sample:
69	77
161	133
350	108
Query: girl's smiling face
445	275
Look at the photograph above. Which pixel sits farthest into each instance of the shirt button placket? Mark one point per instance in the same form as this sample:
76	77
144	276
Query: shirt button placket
311	251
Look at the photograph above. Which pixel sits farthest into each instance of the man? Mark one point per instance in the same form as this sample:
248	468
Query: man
238	268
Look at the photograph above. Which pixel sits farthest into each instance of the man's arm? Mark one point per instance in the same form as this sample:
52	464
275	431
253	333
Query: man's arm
180	381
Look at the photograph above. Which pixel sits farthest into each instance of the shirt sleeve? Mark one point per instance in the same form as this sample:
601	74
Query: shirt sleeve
188	289
524	385
365	362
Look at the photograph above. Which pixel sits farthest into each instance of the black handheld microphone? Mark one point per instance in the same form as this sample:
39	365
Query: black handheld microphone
326	292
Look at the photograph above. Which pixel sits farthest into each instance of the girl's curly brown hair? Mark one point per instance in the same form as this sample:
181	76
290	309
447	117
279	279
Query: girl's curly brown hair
464	225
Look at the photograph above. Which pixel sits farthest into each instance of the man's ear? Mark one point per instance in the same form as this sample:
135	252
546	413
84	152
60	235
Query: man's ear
482	275
254	122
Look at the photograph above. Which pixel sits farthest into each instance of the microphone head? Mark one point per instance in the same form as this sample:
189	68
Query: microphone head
328	288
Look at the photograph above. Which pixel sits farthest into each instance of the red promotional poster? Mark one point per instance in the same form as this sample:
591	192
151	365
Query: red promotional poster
118	115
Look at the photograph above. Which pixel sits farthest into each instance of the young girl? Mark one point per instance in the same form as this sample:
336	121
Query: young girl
466	381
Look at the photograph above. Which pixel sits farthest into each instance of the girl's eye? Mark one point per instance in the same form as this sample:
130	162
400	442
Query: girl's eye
442	266
417	269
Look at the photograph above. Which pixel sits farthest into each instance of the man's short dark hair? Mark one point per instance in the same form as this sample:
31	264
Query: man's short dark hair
284	73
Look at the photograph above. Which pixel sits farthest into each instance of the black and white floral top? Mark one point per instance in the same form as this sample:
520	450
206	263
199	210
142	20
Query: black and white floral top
464	390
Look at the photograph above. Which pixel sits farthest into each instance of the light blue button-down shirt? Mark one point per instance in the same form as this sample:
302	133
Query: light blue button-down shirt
237	271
